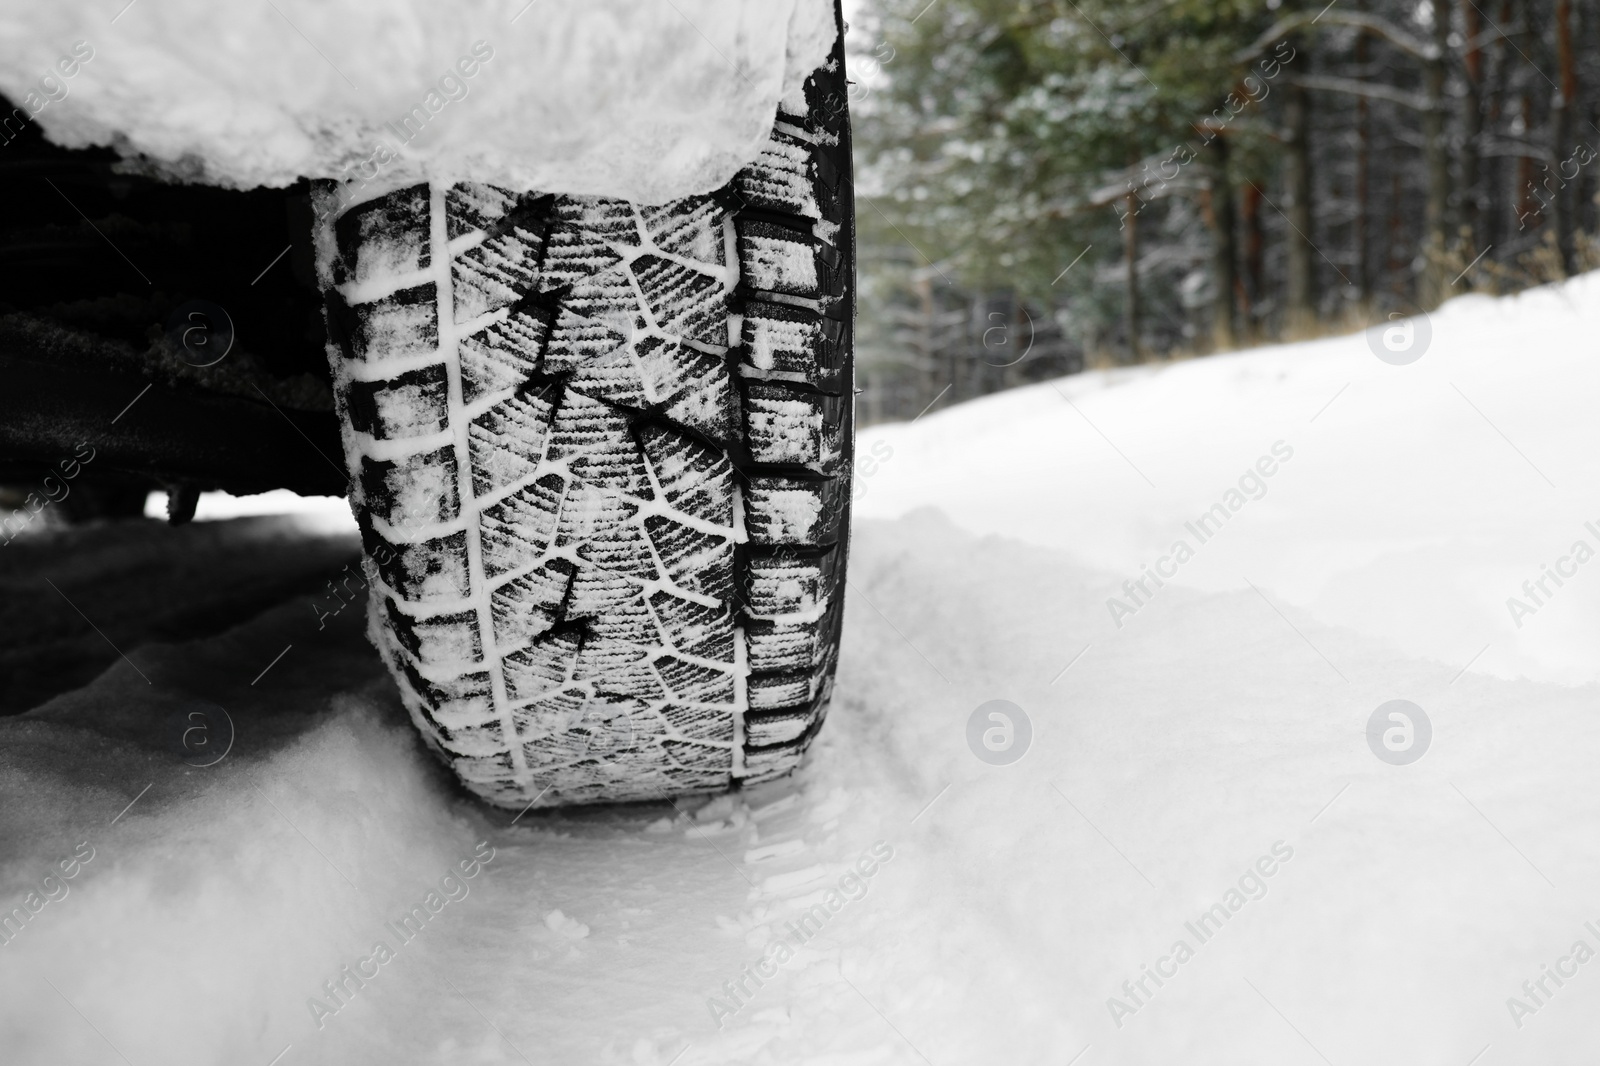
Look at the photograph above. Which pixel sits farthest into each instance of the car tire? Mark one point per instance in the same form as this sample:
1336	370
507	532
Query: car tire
600	454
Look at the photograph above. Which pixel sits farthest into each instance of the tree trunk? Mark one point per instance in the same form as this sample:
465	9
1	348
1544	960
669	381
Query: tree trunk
1021	341
1494	174
1224	256
1586	197
981	367
1561	148
1254	247
1472	130
1300	316
1362	223
1529	213
1396	234
1435	280
927	357
1130	253
984	345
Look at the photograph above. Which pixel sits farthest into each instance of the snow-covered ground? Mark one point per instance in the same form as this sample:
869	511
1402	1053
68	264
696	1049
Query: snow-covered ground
1211	750
1418	500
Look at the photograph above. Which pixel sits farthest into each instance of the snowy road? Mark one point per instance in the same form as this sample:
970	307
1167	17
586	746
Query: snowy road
1200	775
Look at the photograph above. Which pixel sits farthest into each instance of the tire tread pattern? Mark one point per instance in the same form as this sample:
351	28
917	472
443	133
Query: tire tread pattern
600	453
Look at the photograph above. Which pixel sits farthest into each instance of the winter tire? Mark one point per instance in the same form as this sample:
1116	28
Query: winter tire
599	453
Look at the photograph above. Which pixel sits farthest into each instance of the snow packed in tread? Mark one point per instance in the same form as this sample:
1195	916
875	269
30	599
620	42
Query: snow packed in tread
595	630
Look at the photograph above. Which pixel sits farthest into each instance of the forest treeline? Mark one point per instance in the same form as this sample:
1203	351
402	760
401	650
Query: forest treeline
1044	185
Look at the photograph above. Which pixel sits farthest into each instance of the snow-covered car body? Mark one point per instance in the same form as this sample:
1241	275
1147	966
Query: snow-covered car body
644	102
158	160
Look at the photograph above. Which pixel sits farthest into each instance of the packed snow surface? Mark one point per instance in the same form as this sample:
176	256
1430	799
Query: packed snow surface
646	101
1418	500
1200	775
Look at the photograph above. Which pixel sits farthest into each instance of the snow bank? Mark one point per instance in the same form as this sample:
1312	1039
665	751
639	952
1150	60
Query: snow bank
644	101
330	514
979	913
1419	500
